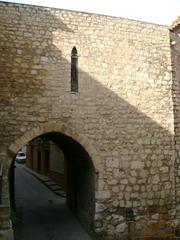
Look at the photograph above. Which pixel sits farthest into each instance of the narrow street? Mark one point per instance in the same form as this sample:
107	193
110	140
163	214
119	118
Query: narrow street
41	214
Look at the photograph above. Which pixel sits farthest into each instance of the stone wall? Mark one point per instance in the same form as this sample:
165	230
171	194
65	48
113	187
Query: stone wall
123	108
175	53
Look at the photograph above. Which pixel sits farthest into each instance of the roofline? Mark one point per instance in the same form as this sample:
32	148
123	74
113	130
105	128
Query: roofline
89	13
175	24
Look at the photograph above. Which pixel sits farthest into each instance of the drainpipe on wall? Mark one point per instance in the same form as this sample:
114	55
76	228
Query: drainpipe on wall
1	175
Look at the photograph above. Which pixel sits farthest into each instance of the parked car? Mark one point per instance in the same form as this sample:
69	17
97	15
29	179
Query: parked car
20	157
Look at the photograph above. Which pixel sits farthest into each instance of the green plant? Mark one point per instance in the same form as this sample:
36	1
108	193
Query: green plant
130	216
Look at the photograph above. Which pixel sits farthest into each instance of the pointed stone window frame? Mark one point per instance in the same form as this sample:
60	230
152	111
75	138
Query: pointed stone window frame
74	70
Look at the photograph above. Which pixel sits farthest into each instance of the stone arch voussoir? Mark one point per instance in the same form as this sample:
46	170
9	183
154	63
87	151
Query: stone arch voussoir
61	128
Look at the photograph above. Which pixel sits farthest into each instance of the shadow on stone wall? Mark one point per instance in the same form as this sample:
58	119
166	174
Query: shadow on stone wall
137	153
175	58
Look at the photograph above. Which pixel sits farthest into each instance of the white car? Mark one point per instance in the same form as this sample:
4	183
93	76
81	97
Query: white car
20	157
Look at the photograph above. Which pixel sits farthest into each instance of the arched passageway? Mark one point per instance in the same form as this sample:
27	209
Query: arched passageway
80	178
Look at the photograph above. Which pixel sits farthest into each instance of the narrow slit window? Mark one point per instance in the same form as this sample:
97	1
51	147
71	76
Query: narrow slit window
74	70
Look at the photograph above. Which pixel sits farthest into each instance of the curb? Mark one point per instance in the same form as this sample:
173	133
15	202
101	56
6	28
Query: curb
50	184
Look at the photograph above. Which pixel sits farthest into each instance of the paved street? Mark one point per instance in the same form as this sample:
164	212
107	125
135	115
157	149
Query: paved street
42	214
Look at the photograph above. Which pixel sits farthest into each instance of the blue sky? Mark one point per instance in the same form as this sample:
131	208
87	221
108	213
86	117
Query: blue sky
155	11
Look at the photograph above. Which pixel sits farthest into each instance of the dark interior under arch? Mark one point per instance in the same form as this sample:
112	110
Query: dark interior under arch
80	178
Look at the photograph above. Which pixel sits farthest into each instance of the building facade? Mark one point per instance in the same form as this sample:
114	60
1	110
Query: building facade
104	89
45	157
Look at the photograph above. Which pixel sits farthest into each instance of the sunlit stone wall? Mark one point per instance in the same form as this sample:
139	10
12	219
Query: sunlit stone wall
124	104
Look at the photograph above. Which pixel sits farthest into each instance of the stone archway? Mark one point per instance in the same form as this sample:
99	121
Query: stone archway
55	127
83	164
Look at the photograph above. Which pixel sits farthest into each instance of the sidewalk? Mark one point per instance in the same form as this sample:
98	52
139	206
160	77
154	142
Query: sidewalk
53	186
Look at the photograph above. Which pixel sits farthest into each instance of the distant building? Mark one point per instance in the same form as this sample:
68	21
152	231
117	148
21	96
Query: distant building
47	158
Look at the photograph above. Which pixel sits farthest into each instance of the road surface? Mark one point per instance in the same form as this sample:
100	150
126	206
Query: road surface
41	214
